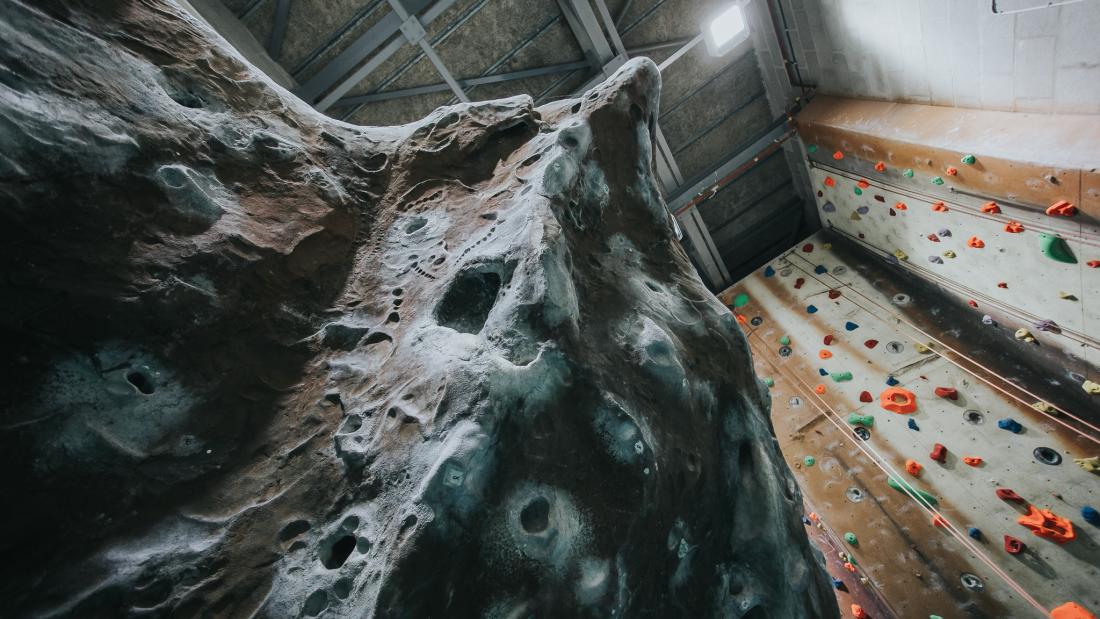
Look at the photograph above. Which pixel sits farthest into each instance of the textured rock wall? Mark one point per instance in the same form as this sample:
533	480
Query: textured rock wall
265	363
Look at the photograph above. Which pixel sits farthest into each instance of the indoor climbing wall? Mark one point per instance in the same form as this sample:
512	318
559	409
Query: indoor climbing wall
932	357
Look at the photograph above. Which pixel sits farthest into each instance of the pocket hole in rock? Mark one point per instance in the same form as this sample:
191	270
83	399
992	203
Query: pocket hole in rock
535	517
141	381
336	554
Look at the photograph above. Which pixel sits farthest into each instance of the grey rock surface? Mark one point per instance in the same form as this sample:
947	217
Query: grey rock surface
264	363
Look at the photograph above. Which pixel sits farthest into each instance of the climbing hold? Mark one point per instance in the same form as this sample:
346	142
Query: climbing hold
858	612
1091	465
991	207
1056	248
933	238
1091	387
922	348
913	424
949	254
841	377
935	259
1046	524
1011	425
770	382
833	294
808	247
1044	407
857	191
799	282
829	182
820	269
975	242
1067	296
891	381
913	468
945	232
969	159
898	400
838	584
826	246
740	300
1014	227
1002	284
1090	515
871	343
1024	335
838	155
811	309
867	421
901	206
863	210
1048	325
809	460
828	339
939	453
823	372
988	320
828	207
900	255
1071	610
1093	264
785	340
851	538
974	532
865	396
939	207
903	486
850	326
851	568
936	180
824	354
907	173
819	389
947	392
951	171
811	148
973	460
939	521
1062	208
1013	546
972	303
880	167
863	184
1007	494
769	271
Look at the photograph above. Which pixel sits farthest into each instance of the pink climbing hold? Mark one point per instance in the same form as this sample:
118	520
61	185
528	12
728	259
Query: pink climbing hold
1005	494
947	392
933	238
939	453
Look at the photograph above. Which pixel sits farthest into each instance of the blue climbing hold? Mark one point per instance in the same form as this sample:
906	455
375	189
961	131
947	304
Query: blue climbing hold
1090	515
838	584
974	532
822	372
769	271
890	380
820	269
1011	425
863	210
851	326
828	207
806	521
811	309
913	425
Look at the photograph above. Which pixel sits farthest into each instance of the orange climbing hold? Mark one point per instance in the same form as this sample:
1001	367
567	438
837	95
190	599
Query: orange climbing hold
913	468
939	521
838	155
824	354
829	182
898	400
939	453
850	567
991	207
819	389
1045	523
939	207
741	320
1014	227
1093	264
975	242
880	167
858	612
1062	208
901	206
973	460
1071	610
947	392
863	184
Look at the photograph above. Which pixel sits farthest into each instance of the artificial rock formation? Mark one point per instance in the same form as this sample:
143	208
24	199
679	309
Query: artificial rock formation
263	363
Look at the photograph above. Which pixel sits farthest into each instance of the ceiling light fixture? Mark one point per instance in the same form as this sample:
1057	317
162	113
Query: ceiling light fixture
726	31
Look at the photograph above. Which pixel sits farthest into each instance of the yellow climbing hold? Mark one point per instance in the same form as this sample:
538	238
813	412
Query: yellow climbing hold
826	246
1024	335
854	216
949	254
1091	465
900	255
922	348
1044	407
1067	296
1090	387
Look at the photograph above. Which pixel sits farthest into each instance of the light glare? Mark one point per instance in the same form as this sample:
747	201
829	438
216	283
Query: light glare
727	26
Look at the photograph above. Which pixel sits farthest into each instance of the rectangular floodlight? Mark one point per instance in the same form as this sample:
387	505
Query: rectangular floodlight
726	31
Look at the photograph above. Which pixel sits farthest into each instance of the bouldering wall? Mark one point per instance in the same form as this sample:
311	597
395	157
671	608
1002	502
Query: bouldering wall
932	358
263	363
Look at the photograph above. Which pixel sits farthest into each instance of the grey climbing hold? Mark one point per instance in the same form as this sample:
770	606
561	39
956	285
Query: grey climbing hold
828	207
988	320
935	259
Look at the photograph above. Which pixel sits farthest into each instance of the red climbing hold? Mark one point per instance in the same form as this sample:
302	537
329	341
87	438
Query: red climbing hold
880	167
939	453
975	242
901	206
863	184
973	460
829	182
991	207
798	282
1063	208
1014	227
947	392
1002	284
808	247
858	612
838	155
1071	610
834	294
939	207
871	343
1006	494
828	339
933	238
865	396
1093	264
741	320
951	171
1047	524
972	303
1013	546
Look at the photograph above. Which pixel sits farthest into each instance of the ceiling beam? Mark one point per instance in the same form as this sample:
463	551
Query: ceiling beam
278	30
414	32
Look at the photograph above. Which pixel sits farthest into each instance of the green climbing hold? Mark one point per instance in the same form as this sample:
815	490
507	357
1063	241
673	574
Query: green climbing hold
769	382
811	148
1056	248
809	461
859	192
851	538
937	616
969	159
866	421
902	486
740	300
936	180
908	173
840	377
785	340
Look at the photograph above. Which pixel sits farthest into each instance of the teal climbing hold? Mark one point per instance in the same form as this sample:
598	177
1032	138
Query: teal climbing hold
969	159
858	191
936	180
740	300
770	382
769	271
908	173
902	486
851	538
785	340
1056	248
811	148
809	461
840	377
867	421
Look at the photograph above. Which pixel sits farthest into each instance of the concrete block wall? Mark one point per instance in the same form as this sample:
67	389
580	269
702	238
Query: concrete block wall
945	52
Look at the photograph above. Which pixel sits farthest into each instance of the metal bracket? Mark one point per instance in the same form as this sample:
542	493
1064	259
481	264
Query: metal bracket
413	30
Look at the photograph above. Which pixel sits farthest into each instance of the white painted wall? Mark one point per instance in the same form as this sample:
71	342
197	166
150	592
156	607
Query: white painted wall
945	52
